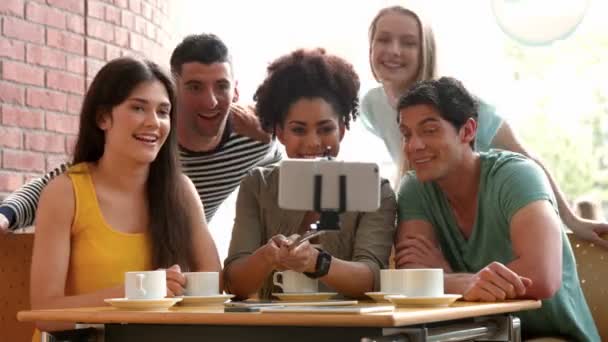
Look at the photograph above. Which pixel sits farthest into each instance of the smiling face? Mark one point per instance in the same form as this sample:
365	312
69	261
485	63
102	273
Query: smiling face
395	48
432	145
205	92
139	126
310	126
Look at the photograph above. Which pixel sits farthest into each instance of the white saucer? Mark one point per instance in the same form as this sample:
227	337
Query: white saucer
142	304
205	300
443	300
379	296
304	296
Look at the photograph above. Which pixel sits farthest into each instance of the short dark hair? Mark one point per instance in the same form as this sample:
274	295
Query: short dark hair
307	74
447	95
205	48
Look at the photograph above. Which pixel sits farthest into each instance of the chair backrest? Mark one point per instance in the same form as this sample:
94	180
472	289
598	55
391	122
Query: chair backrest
592	267
15	260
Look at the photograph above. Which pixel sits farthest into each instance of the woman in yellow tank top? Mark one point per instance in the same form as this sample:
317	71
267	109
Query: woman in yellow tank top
124	205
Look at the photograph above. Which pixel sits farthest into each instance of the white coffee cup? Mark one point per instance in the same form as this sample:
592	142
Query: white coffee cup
392	281
295	282
202	283
146	284
423	282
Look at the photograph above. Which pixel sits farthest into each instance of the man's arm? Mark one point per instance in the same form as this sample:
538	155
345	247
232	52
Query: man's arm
19	208
586	229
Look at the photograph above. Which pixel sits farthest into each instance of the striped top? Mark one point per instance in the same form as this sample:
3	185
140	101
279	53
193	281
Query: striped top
215	174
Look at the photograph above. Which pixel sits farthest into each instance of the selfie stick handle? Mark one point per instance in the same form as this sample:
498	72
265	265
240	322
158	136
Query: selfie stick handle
330	219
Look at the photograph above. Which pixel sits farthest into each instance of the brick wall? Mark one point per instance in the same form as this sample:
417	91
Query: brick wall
49	52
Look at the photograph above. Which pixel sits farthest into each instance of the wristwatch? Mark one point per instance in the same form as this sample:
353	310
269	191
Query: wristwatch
322	265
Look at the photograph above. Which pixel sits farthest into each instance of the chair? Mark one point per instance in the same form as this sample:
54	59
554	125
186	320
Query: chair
15	260
592	267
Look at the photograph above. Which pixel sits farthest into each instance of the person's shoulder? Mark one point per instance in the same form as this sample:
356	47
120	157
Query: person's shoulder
373	95
262	175
500	162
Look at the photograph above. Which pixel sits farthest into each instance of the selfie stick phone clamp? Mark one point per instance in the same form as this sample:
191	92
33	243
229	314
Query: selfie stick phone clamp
330	219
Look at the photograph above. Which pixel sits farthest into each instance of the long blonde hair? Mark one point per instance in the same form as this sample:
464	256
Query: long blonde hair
428	58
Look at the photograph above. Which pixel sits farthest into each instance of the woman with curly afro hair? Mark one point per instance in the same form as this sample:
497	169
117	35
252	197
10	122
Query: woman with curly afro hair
307	101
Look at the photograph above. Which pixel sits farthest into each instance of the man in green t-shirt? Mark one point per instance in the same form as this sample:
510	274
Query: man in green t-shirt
488	219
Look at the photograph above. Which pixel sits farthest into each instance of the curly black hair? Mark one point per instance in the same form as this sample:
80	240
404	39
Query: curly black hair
307	74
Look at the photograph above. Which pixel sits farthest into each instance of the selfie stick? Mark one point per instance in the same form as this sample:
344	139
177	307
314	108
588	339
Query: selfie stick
330	219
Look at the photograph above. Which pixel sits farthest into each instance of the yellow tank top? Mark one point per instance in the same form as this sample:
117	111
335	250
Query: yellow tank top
100	255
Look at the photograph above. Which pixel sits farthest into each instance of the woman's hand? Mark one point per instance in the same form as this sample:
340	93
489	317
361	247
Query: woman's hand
301	258
176	281
271	251
418	251
590	230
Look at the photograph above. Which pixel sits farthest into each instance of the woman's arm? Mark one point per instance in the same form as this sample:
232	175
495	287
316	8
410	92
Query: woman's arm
586	229
51	254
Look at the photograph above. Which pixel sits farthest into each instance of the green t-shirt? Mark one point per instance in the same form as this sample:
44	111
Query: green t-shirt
508	182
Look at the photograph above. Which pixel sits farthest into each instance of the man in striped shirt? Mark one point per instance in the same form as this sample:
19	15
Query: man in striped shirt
219	140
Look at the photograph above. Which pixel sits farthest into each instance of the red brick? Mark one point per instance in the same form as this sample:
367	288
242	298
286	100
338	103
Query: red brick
75	23
44	142
10	137
135	6
22	73
23	30
76	6
41	55
135	41
121	37
10	181
65	41
113	15
12	7
140	25
127	19
46	99
22	117
62	123
151	31
75	64
45	15
65	81
96	9
157	17
74	104
25	161
93	67
112	52
70	143
146	11
121	3
96	49
54	160
11	93
12	49
100	29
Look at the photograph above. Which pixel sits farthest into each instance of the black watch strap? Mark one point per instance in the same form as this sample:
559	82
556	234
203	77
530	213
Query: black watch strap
322	265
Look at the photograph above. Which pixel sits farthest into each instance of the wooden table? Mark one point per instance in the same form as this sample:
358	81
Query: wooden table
191	324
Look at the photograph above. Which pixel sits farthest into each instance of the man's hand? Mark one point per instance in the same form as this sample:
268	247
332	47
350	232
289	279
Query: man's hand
4	225
590	230
418	251
496	282
245	122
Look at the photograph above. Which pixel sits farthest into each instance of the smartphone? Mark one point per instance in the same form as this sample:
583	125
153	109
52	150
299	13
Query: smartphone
242	309
297	184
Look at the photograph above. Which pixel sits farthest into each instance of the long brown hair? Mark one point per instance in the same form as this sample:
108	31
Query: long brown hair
170	221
